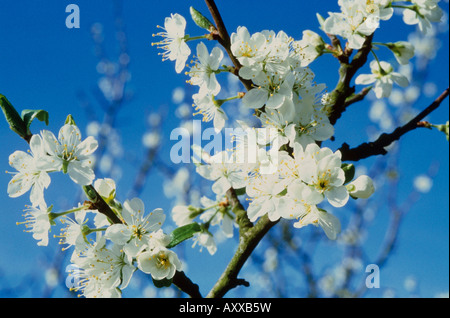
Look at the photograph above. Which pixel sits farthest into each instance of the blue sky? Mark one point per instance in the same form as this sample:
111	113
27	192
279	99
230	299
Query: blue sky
44	65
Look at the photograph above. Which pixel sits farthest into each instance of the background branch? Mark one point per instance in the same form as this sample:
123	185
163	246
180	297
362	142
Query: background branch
376	147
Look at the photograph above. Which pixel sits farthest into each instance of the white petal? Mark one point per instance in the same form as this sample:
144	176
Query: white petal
21	161
80	174
154	220
127	273
219	121
275	101
50	142
221	186
86	147
399	79
118	233
215	58
338	196
202	53
255	98
18	185
365	79
330	224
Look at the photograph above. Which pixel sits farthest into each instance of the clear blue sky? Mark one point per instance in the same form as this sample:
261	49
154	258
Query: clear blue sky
43	65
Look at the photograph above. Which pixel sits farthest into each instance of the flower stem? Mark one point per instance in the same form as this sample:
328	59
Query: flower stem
187	38
382	71
53	215
219	102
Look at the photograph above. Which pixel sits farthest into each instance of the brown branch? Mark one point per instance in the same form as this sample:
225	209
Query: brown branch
224	40
376	147
347	70
239	211
186	285
357	97
247	243
180	279
100	205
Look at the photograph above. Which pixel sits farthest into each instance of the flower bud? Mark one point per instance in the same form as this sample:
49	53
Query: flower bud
362	187
403	51
201	21
443	128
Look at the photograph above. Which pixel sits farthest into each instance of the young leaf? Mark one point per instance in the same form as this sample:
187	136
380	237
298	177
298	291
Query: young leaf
28	115
183	233
13	118
349	170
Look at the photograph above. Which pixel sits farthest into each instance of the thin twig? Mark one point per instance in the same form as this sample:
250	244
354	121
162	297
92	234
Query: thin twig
377	147
224	40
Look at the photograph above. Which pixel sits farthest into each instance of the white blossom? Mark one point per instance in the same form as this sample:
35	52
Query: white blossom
355	22
206	105
224	171
422	12
73	233
321	170
135	235
362	187
403	51
174	43
205	239
102	270
37	221
383	76
106	187
161	263
264	193
270	90
308	48
29	175
203	73
69	154
216	213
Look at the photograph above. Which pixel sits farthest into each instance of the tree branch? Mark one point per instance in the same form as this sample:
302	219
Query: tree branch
100	205
224	40
186	285
179	279
346	72
239	211
376	147
247	243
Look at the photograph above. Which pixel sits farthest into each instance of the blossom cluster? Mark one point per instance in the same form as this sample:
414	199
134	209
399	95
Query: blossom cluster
281	168
291	176
104	254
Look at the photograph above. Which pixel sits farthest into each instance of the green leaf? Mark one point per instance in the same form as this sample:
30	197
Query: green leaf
183	233
349	170
13	118
240	191
162	283
201	20
28	115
